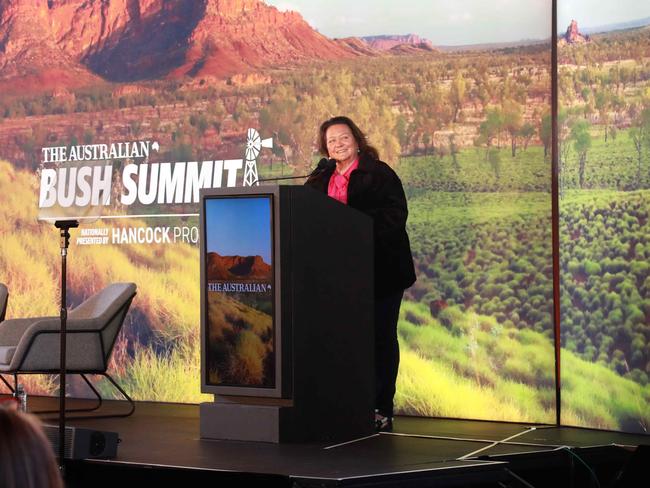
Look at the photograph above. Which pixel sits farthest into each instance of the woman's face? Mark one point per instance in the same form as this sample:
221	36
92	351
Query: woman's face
341	144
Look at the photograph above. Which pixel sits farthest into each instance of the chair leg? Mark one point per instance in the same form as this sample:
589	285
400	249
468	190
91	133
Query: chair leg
92	409
12	390
124	394
97	394
118	387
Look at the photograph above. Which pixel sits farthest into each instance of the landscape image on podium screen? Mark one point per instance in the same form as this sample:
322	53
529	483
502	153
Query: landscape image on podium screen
239	333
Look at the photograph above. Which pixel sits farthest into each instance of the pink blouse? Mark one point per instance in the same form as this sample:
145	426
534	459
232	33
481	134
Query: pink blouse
338	184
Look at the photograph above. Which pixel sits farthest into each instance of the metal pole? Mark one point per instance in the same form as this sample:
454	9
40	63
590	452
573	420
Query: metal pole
555	214
64	227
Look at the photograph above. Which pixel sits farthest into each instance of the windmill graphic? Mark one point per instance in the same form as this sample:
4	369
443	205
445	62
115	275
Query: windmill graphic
254	143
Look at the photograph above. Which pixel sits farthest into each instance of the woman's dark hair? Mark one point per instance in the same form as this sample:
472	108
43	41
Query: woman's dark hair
360	137
26	456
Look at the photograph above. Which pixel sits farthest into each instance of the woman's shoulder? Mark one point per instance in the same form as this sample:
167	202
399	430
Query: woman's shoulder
371	164
377	167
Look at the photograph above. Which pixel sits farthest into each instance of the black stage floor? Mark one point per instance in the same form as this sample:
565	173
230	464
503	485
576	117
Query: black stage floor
160	442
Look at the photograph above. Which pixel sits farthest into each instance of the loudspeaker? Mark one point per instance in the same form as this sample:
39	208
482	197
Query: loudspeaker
83	443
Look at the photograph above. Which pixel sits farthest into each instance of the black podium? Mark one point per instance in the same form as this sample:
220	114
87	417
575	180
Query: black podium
286	316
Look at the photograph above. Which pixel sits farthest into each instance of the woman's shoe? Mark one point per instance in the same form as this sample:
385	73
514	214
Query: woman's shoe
383	423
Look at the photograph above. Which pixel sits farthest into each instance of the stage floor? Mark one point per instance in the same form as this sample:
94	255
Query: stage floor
420	452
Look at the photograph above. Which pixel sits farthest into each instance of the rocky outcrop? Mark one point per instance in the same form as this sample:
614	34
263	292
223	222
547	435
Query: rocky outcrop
383	45
404	49
224	268
130	40
358	46
29	52
68	43
240	35
143	43
573	35
387	43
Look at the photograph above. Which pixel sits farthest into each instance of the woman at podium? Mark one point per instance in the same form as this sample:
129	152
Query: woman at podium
359	179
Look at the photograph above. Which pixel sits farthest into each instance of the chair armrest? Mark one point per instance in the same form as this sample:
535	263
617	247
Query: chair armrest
11	331
53	324
38	349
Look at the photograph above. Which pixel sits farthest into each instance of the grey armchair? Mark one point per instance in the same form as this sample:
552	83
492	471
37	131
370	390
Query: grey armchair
31	346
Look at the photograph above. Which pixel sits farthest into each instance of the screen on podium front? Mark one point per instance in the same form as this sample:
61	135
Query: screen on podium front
239	331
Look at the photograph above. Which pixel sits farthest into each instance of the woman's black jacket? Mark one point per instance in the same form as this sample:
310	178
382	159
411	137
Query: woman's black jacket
376	190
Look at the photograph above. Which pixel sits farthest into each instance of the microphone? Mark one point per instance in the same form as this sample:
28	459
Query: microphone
323	165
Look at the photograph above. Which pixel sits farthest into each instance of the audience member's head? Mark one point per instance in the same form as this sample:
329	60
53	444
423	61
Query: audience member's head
26	456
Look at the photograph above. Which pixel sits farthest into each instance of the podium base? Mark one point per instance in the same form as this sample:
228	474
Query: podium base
228	421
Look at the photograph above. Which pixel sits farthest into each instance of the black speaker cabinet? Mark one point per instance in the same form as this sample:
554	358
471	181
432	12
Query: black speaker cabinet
83	443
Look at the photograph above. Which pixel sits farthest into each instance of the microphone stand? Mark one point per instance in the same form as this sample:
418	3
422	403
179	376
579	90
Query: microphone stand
323	165
262	180
64	227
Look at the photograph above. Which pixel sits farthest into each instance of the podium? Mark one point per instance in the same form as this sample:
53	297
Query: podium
287	330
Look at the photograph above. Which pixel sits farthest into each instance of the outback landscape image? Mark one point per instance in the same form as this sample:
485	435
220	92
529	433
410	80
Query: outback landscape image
240	326
466	124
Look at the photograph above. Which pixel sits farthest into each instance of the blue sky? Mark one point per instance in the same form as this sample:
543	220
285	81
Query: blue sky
595	13
446	22
239	227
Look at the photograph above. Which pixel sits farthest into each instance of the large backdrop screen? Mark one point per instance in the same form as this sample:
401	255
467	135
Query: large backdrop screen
132	110
604	149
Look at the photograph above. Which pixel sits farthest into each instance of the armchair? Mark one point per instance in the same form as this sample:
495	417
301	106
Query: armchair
31	345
